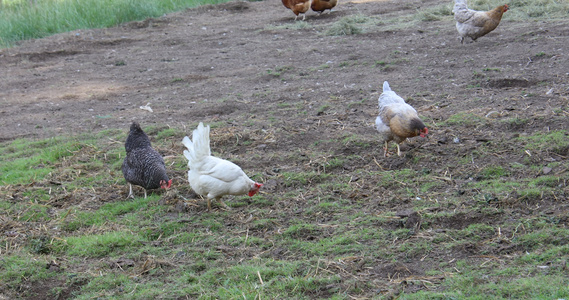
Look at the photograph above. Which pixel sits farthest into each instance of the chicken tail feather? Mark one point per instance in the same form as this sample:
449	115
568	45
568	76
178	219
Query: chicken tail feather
198	147
459	5
386	87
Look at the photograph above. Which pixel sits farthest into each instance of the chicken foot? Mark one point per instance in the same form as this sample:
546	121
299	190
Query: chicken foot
386	152
223	205
131	194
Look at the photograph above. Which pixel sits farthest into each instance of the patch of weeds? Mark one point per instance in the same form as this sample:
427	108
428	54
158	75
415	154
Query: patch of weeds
19	268
322	109
429	186
475	232
98	245
493	172
301	231
109	212
380	63
356	140
34	213
168	133
278	71
465	119
292	179
550	256
434	13
108	284
515	123
25	161
348	25
212	224
416	249
547	181
555	141
40	244
478	279
497	186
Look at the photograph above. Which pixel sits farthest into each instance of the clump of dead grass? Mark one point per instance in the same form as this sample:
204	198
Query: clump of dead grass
348	25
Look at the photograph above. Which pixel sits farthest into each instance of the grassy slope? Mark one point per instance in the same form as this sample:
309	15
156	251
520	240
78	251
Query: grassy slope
142	248
23	19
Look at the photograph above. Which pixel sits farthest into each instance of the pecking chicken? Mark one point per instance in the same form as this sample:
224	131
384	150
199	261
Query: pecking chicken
397	120
321	5
474	24
298	7
142	165
214	177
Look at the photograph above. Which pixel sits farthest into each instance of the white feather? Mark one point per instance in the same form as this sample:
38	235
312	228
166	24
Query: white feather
211	176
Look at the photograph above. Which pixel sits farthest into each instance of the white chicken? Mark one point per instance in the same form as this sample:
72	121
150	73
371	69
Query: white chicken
397	120
214	177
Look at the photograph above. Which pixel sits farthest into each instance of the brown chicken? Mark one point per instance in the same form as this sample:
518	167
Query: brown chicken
474	24
298	7
321	5
397	120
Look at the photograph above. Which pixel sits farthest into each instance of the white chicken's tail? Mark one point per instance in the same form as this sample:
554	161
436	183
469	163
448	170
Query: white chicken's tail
386	87
459	5
198	147
388	96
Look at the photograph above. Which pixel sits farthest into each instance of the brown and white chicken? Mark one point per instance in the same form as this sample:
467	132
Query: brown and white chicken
321	5
474	24
397	120
214	177
298	7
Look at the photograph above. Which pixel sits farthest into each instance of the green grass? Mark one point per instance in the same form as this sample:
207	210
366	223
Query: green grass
327	225
312	236
466	119
553	140
24	161
22	19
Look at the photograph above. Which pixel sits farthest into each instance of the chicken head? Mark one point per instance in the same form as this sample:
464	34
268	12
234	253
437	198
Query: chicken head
254	189
423	132
165	184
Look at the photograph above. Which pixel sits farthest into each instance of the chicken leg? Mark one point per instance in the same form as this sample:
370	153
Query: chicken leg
130	194
386	152
220	203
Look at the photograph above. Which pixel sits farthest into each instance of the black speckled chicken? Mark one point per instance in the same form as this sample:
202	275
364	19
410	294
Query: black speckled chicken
143	166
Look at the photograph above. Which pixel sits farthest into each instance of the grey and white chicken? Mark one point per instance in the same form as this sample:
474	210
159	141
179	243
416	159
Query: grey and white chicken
143	166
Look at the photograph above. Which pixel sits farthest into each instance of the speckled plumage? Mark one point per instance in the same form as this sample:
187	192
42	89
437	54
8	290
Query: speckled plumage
142	166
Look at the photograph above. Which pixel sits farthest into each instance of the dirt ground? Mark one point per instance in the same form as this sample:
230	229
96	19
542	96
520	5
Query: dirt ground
246	65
